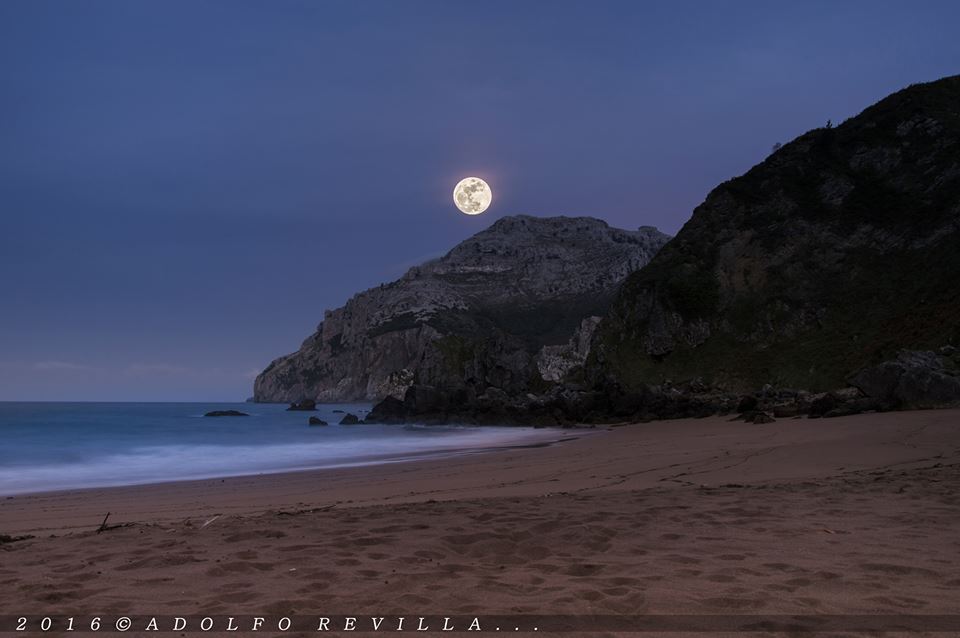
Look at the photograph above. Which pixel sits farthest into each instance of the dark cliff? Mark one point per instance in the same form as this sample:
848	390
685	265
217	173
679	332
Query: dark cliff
836	252
507	307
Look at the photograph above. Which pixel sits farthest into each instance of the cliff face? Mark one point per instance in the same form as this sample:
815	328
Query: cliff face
840	249
484	312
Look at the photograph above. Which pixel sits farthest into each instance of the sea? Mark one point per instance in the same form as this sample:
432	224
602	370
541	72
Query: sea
56	446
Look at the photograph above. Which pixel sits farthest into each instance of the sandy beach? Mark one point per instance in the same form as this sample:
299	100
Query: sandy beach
855	515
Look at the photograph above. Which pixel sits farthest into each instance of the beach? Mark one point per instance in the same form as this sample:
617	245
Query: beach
853	515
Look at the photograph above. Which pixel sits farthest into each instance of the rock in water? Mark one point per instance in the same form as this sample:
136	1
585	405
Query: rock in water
349	419
306	405
390	410
316	421
226	413
490	304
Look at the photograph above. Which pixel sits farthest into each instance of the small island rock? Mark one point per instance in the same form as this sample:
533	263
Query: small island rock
226	413
307	405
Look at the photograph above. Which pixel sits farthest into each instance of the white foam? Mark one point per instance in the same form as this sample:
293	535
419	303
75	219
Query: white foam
156	464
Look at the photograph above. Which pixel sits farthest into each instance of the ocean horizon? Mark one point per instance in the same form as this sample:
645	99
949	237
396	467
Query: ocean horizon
50	446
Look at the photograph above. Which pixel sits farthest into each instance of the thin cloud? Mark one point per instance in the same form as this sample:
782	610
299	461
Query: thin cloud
62	366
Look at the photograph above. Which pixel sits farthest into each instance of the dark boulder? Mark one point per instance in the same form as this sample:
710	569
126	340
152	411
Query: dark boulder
226	413
424	399
628	404
786	410
915	379
316	421
753	416
822	405
307	405
349	419
390	410
747	404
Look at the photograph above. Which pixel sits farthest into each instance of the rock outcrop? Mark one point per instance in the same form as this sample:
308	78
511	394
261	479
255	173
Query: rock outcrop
499	309
555	362
913	380
836	252
304	405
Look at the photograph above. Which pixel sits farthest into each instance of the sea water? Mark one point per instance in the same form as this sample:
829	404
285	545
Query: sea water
53	446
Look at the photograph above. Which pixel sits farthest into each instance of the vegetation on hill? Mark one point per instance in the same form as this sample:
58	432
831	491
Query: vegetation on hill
837	251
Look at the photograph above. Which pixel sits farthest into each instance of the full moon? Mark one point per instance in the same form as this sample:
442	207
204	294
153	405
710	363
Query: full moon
472	195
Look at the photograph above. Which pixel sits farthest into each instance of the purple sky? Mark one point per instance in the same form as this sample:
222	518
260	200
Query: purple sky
186	186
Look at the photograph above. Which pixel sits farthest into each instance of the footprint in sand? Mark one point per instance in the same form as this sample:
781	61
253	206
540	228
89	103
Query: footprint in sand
582	570
737	604
254	535
899	570
238	597
731	557
239	567
368	541
798	582
899	602
160	561
347	562
314	587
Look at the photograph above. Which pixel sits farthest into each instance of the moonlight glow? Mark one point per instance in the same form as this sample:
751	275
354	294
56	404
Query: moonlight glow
472	195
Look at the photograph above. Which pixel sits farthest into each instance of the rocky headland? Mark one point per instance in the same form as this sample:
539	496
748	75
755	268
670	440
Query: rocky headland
514	305
819	283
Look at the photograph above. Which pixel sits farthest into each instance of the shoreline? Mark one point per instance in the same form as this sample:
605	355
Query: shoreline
855	443
856	515
543	437
51	448
50	506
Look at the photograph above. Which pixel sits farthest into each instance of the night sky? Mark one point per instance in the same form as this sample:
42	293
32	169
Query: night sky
186	186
